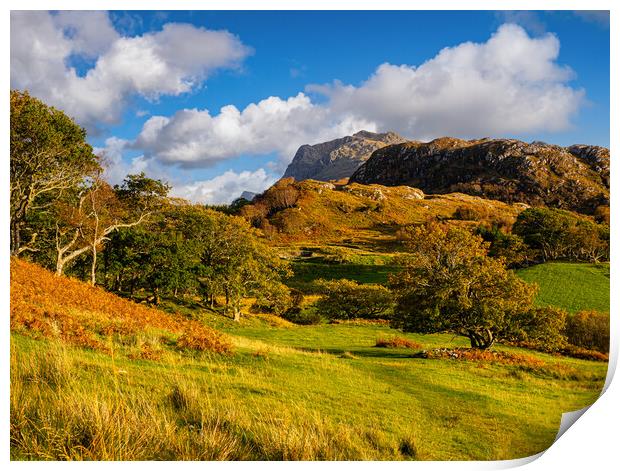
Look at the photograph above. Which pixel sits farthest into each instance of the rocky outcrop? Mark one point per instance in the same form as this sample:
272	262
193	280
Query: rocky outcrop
575	178
339	158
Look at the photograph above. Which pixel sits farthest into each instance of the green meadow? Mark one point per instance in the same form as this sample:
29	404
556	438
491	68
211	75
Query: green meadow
296	392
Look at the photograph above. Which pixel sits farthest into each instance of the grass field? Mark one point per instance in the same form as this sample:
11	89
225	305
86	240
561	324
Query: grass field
572	286
282	392
288	393
304	273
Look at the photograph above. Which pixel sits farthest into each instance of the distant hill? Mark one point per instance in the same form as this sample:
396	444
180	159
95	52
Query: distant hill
339	158
313	211
575	178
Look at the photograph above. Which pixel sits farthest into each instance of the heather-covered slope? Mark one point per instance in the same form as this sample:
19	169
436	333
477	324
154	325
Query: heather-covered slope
575	178
339	158
368	214
44	305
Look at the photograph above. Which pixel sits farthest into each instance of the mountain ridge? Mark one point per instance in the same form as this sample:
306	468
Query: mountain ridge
338	158
509	170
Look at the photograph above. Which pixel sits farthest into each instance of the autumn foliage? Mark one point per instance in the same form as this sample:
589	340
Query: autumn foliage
43	305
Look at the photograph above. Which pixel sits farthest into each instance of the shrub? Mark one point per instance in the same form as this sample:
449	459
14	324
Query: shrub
396	342
347	299
203	340
539	328
468	213
303	316
584	353
589	330
275	299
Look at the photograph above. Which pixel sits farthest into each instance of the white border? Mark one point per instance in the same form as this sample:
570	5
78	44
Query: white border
590	444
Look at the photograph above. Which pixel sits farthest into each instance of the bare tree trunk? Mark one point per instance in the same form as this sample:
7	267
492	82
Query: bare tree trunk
93	267
93	277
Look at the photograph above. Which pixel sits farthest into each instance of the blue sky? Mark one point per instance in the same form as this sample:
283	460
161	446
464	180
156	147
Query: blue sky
128	77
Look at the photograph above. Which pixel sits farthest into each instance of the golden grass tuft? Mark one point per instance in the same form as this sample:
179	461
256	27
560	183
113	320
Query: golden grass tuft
396	342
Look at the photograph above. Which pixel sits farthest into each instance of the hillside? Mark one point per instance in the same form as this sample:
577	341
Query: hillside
369	215
46	306
575	178
571	286
338	158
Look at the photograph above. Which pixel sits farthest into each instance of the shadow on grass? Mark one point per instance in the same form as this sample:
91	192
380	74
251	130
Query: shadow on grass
370	352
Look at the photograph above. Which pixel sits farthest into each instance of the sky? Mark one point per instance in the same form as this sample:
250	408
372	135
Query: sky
217	103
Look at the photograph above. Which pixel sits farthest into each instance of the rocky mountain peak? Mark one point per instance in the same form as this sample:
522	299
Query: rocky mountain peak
339	158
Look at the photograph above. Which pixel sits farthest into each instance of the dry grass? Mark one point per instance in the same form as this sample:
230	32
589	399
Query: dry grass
274	321
396	342
57	415
484	356
43	305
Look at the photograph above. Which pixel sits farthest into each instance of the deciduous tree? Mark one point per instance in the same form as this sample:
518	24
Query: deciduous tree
449	284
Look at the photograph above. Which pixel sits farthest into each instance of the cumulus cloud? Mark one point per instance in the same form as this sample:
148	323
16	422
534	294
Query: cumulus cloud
226	187
116	168
511	84
168	62
196	138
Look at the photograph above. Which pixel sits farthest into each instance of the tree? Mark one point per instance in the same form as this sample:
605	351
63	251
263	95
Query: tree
510	247
192	246
589	329
49	157
558	234
85	222
449	284
347	299
233	258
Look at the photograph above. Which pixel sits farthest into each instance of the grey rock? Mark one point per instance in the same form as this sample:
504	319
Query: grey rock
339	158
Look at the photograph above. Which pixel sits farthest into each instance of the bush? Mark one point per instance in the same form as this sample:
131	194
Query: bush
584	353
274	300
203	340
539	328
468	213
347	299
303	316
589	330
396	342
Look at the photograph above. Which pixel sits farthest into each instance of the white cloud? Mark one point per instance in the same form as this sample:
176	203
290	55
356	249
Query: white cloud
90	32
172	61
510	84
224	188
115	167
196	138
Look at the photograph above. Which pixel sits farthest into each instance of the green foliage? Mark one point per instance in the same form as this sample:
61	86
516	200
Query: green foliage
449	284
303	316
190	247
275	298
510	247
49	157
540	328
558	234
589	329
347	299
